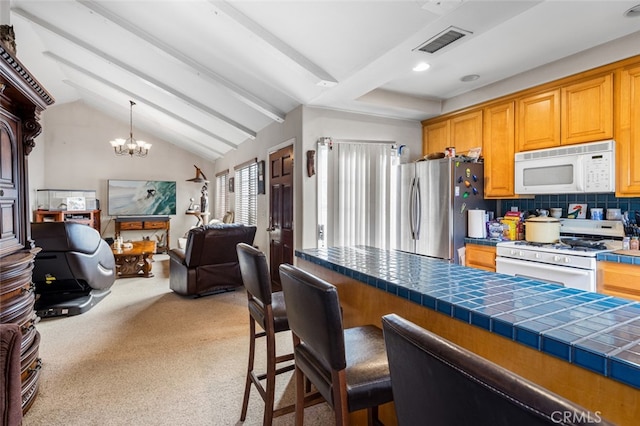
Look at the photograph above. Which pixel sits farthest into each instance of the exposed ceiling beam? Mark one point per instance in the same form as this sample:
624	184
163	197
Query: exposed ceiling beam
139	98
97	95
196	68
325	79
146	78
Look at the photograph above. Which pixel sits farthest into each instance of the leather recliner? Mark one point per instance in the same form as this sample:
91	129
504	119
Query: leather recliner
437	382
74	271
209	262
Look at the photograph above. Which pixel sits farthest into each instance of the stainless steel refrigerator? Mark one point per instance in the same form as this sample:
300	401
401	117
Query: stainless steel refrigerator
433	198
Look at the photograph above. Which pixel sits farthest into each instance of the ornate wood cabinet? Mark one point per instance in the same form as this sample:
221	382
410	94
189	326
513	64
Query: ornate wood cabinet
22	99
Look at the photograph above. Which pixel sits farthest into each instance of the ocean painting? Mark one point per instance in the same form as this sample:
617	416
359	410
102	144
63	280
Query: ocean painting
142	198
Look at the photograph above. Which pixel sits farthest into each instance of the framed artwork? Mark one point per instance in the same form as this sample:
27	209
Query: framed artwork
141	197
261	177
232	183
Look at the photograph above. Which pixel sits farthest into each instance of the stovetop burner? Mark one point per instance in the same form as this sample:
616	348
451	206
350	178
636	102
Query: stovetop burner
568	244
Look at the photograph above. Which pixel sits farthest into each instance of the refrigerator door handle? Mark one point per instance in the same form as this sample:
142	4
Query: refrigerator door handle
418	201
412	207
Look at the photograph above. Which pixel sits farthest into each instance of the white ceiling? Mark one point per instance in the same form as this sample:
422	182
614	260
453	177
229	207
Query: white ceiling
208	75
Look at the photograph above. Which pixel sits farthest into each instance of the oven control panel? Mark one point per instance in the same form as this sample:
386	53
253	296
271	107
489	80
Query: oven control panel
548	257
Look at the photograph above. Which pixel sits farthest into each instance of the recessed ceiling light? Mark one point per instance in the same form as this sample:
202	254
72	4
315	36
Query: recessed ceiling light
470	77
422	66
633	12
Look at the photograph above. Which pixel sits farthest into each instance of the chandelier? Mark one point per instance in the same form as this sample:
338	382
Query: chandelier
130	146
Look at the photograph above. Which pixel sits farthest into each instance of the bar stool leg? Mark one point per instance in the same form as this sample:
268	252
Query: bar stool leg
271	377
300	379
252	352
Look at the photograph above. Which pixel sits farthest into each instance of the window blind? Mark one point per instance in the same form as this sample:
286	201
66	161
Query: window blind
246	190
222	194
355	195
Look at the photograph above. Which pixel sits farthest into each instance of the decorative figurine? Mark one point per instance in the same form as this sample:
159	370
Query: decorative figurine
204	200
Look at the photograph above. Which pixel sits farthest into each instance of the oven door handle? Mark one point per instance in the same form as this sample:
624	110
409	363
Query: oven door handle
554	268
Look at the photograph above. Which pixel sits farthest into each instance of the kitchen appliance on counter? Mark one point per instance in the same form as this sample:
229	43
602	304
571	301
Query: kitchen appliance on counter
571	169
571	261
434	197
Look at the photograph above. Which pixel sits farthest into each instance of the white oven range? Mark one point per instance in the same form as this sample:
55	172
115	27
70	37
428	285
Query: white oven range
571	262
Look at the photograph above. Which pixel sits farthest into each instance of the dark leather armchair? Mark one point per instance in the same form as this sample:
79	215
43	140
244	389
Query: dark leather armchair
209	262
437	382
74	271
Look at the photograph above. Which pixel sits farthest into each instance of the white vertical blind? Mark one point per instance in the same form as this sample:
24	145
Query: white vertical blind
354	194
222	195
246	190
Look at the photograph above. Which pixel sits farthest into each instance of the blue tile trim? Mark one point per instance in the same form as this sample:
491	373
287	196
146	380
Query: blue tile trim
481	241
618	258
590	360
594	331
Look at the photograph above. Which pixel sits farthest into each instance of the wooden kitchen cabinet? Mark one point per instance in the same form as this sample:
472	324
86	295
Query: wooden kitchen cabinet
587	110
481	257
466	131
619	279
628	132
435	137
538	124
499	150
462	131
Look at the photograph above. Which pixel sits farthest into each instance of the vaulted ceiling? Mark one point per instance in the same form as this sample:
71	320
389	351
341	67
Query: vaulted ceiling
208	75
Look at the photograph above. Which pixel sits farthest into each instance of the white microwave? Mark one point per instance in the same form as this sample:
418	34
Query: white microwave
583	168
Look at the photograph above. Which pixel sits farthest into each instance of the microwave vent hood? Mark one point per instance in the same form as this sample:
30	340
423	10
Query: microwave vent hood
572	169
586	148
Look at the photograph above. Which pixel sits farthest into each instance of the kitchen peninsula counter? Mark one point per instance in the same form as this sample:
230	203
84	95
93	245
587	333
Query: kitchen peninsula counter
584	346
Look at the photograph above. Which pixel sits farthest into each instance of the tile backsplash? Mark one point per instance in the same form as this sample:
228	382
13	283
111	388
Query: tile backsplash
605	201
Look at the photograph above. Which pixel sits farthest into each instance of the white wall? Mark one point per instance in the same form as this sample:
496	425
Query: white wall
73	152
304	126
274	135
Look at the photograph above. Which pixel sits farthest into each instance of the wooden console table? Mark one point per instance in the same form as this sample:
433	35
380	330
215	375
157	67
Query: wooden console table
134	261
151	223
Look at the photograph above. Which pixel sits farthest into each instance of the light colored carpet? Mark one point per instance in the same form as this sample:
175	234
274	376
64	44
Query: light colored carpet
146	356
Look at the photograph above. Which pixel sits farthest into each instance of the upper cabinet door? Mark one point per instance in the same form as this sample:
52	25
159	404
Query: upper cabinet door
435	137
466	131
587	110
499	150
628	133
538	121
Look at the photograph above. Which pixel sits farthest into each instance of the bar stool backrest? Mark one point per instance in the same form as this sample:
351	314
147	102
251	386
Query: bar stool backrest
434	379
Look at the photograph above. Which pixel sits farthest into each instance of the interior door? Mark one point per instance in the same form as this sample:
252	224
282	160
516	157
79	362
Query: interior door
280	212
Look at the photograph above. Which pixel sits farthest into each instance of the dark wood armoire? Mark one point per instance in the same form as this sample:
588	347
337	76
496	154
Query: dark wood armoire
22	99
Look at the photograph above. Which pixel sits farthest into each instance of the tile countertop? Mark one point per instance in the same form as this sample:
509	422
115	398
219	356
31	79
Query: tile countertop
597	332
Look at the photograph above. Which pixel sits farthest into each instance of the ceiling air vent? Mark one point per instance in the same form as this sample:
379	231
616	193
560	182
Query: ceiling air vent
443	39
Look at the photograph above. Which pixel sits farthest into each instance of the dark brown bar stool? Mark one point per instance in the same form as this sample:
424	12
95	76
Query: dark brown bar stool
268	310
436	380
348	367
